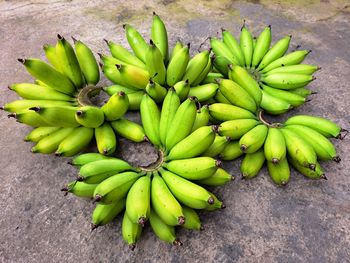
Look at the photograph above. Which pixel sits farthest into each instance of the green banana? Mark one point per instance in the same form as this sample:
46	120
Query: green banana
291	98
22	105
135	100
38	133
136	42
246	43
110	60
196	65
262	46
105	139
216	205
50	53
90	116
221	64
62	116
192	219
220	177
235	129
177	66
253	139
112	73
156	91
233	46
160	36
252	164
85	158
222	50
111	90
131	232
182	89
155	64
129	130
302	92
133	76
116	106
212	77
204	92
279	172
29	118
274	105
287	80
176	48
232	151
150	117
318	173
103	214
202	118
226	112
275	146
217	146
80	189
204	72
295	69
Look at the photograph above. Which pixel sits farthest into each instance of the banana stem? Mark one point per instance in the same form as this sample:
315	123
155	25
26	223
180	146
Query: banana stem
265	122
86	93
156	165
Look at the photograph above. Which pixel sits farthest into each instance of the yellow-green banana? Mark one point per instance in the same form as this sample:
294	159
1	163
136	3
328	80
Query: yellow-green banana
103	214
275	146
155	64
262	46
279	172
136	42
129	130
252	163
38	133
253	139
90	116
150	117
220	177
160	36
235	129
131	232
116	106
226	112
105	139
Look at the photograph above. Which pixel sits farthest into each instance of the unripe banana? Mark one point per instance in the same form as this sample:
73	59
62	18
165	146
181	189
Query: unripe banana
115	188
246	43
50	143
216	205
195	66
50	53
85	158
133	76
262	46
237	95
221	64
217	146
202	118
136	42
204	92
177	66
87	62
291	98
204	72
220	98
194	168
302	92
23	105
103	214
93	172
188	193
253	139
160	36
68	62
226	112
275	52
235	129
62	116
182	123
135	100
138	201
110	60
113	74
80	189
233	46
212	77
220	177
299	149
280	172
48	75
165	204
150	117
194	144
162	230
116	106
222	50
90	116
29	118
252	163
156	91
275	146
30	91
231	152
105	139
111	90
182	89
192	219
129	130
178	46
38	133
287	80
155	64
131	232
295	69
274	105
318	173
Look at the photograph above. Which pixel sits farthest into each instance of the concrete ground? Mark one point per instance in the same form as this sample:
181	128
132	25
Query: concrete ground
309	221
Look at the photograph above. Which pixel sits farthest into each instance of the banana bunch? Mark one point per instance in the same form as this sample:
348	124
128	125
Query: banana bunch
168	192
149	69
58	104
275	79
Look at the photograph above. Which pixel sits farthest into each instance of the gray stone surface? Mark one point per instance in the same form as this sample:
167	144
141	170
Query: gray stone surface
309	221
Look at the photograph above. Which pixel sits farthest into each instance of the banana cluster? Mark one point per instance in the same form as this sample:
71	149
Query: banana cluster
151	70
167	192
58	103
279	78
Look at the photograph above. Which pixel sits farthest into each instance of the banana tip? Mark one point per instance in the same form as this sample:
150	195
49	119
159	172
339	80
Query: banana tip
312	167
284	183
336	159
11	115
243	148
36	109
211	200
2	108
218	163
324	177
93	227
142	221
22	60
74	39
97	198
80	178
60	37
177	242
58	154
275	161
132	247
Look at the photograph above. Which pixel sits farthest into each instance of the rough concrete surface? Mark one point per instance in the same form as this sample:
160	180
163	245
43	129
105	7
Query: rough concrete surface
309	221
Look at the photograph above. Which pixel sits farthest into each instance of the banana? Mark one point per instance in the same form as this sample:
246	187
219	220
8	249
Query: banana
156	91
280	172
89	116
138	201
36	92
182	123
177	66
111	90
254	44
192	219
80	189
299	149
326	127
220	177
23	105
221	64
38	133
202	118
182	89
135	100
235	129
287	80
262	46
178	46
222	50
217	146
275	146
116	106
160	36
165	204
162	230
246	43
216	205
50	143
204	72
188	193
136	42
252	164
196	65
204	92
220	98
243	79
291	98
275	52
103	214
48	75
194	144
226	112
68	62
29	118
295	69
302	92
129	130
317	174
122	54
133	77
274	105
93	172
62	116
212	77
115	188
85	158
110	60
193	168
51	56
233	46
113	74
323	148
155	64
237	95
253	139
131	232
292	58
150	117
105	139
231	152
